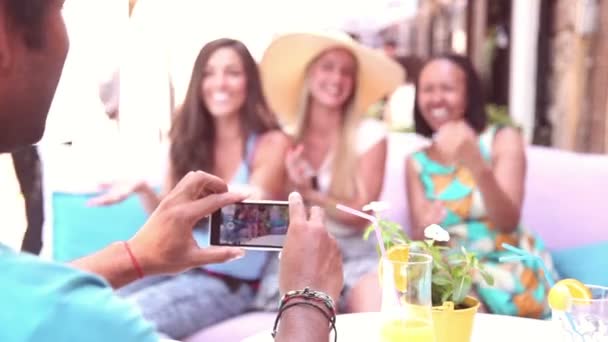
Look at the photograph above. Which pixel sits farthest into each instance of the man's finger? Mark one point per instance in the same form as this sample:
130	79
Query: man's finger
212	184
215	255
198	184
297	212
197	209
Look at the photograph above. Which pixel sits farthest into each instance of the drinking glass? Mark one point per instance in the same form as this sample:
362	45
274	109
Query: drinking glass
406	299
588	318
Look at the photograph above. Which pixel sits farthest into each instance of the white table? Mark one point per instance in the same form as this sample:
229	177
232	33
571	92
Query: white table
495	328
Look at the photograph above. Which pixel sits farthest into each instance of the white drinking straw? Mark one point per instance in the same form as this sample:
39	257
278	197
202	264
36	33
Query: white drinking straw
370	218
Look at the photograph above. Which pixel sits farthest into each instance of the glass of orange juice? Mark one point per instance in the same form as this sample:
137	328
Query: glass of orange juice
406	296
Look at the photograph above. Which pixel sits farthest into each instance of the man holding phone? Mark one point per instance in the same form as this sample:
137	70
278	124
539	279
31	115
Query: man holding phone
46	301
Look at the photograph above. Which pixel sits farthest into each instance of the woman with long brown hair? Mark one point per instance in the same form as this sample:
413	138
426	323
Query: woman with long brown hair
224	127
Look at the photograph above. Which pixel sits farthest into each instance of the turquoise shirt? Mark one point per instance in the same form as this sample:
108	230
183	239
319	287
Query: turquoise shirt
46	301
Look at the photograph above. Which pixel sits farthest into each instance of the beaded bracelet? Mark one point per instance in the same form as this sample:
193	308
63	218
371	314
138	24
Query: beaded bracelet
331	319
309	294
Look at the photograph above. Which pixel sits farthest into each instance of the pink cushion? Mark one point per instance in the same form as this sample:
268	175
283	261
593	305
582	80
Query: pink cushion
565	197
399	147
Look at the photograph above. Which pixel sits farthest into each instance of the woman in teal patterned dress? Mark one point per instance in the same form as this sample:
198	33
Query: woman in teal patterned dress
471	181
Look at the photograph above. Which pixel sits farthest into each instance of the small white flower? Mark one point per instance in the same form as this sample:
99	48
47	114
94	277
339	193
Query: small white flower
435	232
376	206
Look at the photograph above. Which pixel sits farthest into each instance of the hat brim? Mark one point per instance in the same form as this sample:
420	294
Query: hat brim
284	64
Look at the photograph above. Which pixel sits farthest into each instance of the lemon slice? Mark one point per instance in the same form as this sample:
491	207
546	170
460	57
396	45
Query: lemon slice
561	295
397	254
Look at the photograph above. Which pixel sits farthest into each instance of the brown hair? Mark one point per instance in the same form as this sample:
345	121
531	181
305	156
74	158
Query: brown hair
193	133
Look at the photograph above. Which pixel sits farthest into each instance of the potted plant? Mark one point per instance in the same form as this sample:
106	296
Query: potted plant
453	271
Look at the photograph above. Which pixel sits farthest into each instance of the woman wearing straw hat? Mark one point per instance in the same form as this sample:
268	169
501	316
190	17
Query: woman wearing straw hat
320	84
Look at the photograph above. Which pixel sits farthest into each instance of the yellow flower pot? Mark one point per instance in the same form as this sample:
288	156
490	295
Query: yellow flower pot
454	325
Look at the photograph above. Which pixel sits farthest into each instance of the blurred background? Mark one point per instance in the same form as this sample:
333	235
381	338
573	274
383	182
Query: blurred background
544	64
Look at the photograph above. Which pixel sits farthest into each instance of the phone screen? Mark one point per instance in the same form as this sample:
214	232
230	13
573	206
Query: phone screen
260	224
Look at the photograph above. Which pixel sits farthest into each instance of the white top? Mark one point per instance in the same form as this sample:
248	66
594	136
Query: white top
370	133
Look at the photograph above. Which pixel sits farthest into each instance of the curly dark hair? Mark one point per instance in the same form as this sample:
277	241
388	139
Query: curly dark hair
193	133
28	16
475	113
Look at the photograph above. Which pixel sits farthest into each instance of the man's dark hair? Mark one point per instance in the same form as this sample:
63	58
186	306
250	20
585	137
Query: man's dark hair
28	16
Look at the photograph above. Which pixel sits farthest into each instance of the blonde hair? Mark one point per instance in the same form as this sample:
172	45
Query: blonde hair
344	183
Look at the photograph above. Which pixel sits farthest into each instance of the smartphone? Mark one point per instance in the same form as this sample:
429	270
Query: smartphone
251	225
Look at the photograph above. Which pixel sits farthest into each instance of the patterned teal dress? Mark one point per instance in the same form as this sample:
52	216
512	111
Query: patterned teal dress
519	287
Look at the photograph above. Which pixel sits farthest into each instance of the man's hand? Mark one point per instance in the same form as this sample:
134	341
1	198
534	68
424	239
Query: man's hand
310	257
165	244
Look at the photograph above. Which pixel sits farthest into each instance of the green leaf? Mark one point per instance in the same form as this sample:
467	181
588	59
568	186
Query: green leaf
438	265
446	296
441	280
400	241
418	246
458	272
462	288
456	258
487	277
367	233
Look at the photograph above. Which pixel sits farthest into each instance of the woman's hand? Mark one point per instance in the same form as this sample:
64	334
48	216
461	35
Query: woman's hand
458	144
432	213
116	192
299	171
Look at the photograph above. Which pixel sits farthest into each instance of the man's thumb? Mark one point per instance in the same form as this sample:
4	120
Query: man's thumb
217	255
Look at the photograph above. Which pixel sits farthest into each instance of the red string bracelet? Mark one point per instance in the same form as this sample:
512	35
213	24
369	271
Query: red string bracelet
140	272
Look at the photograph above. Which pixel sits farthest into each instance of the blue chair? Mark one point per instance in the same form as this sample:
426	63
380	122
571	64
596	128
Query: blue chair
79	230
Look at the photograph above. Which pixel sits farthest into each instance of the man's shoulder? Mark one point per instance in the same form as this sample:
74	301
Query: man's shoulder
25	271
52	299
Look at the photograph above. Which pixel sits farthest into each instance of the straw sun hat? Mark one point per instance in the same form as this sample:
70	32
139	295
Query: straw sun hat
284	64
